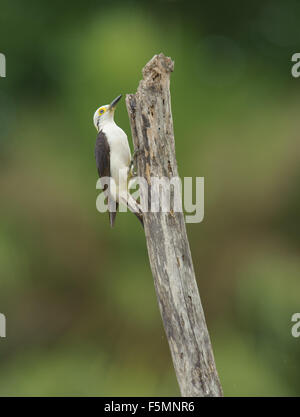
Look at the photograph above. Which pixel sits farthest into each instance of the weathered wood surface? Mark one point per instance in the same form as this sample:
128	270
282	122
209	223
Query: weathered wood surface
168	247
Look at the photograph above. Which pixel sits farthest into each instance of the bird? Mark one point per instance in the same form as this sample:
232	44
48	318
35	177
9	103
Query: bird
113	158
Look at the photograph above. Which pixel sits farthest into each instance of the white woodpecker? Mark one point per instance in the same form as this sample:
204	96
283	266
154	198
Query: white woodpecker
113	159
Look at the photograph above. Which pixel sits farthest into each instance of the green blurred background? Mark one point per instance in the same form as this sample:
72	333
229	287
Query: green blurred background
82	315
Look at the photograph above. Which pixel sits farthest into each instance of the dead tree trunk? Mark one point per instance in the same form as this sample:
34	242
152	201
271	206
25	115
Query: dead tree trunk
168	247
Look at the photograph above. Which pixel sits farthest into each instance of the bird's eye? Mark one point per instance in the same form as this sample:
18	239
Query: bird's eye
101	111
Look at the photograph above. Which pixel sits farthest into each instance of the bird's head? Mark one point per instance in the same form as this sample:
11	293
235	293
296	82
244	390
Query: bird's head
105	113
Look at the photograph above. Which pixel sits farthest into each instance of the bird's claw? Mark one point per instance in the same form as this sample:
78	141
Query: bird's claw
132	171
133	163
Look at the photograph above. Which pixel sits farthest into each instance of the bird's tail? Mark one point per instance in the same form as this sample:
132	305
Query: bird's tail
112	216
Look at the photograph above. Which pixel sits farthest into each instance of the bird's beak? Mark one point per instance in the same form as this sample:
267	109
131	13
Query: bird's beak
115	102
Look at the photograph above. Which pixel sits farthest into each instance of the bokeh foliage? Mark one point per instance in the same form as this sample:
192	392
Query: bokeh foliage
82	316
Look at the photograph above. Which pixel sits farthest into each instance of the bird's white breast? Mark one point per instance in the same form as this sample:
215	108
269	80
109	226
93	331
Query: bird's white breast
119	149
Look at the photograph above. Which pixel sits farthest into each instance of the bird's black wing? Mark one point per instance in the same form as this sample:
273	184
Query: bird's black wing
102	155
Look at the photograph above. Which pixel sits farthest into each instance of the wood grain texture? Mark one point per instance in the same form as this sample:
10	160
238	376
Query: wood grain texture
168	247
